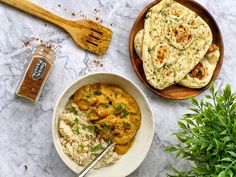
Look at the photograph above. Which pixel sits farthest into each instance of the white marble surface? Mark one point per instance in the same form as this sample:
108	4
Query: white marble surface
25	138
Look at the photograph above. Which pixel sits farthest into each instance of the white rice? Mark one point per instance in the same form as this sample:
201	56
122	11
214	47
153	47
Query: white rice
79	142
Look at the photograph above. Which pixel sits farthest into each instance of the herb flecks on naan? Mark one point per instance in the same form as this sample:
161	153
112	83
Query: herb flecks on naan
202	73
175	40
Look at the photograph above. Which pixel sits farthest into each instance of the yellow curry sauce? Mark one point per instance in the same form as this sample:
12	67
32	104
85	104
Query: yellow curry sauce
112	111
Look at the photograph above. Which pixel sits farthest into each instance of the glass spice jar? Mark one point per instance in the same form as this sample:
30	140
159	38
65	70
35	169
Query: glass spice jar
36	74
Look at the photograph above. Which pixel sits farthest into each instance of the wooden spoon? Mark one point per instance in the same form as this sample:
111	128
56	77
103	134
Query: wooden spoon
87	34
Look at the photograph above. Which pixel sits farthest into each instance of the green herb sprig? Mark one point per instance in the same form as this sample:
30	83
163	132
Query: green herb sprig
73	110
208	136
96	148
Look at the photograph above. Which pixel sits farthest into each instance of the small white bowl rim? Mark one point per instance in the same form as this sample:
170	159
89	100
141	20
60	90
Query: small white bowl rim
102	73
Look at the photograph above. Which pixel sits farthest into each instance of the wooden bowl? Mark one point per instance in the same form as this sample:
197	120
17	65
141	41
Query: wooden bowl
175	92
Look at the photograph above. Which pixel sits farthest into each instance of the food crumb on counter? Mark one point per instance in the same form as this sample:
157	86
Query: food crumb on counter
25	167
26	43
96	10
97	63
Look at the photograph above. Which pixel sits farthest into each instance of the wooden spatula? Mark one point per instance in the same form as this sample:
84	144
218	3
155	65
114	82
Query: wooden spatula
87	34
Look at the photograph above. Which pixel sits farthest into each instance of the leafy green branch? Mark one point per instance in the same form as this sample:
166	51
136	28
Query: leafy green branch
208	136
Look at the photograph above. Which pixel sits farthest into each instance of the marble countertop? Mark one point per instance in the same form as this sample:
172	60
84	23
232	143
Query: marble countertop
26	147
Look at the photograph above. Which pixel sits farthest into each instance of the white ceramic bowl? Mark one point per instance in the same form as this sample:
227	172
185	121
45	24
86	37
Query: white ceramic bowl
131	160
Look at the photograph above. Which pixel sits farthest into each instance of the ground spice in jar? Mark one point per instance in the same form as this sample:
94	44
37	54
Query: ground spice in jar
36	74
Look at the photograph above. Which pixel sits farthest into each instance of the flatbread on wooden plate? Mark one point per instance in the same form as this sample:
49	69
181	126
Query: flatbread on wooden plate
175	40
200	75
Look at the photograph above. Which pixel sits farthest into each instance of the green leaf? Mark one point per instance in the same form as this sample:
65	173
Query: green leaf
92	128
230	173
171	149
189	121
97	93
209	147
124	113
195	110
226	159
118	108
78	130
182	125
73	110
224	132
212	89
234	126
194	141
208	96
193	101
222	174
227	92
233	154
88	96
76	120
105	127
96	148
226	139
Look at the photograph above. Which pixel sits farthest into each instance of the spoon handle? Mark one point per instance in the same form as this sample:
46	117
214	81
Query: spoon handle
93	163
33	9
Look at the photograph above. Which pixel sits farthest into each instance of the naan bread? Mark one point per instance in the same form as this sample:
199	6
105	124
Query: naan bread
138	43
175	40
202	73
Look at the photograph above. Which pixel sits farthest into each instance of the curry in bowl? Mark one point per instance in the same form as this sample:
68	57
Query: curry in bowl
95	115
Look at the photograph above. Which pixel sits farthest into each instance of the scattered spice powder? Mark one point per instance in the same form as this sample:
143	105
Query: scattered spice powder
97	63
73	14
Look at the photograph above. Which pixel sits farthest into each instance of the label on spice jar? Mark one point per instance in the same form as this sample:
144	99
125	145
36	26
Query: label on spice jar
39	69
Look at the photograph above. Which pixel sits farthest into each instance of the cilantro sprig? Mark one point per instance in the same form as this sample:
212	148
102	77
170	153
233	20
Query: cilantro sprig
208	136
96	148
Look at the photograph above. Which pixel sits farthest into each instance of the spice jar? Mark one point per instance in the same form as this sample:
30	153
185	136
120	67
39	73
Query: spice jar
37	72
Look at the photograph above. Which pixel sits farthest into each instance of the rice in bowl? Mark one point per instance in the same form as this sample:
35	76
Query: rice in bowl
80	141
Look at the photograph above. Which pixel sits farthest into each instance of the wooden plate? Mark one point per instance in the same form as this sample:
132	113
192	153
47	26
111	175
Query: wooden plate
175	92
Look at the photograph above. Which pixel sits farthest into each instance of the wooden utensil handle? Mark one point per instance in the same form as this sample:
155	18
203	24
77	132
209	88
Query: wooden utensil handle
33	9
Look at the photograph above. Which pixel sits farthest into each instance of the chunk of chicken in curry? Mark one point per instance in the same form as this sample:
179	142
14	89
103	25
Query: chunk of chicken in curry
113	111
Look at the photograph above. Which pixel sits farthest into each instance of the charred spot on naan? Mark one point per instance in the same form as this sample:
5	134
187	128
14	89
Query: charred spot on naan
199	71
182	34
160	54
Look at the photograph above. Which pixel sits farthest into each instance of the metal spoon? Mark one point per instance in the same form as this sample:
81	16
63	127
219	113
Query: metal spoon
93	163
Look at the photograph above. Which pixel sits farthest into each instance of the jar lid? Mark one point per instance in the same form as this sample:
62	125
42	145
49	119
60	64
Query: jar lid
46	51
